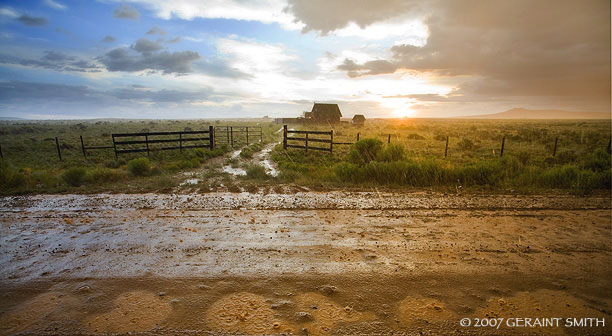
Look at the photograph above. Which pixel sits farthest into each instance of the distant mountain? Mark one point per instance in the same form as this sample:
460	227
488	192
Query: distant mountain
10	118
522	113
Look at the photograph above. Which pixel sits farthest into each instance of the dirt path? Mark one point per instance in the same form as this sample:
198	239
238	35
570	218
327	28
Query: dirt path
305	263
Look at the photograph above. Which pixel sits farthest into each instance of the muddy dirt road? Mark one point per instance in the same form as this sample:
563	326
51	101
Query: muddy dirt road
335	263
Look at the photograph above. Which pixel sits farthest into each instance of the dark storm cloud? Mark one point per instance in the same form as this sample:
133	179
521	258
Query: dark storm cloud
375	67
121	59
17	91
521	48
126	12
161	96
156	31
109	39
54	60
146	46
326	16
32	20
26	91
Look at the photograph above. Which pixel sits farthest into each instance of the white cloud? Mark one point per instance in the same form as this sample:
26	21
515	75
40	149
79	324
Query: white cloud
254	57
266	11
410	31
8	12
55	5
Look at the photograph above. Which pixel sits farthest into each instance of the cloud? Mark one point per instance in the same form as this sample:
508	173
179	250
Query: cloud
32	20
126	12
26	91
327	16
156	31
8	12
18	91
145	46
174	40
161	96
121	59
368	68
536	50
109	39
266	11
55	5
53	60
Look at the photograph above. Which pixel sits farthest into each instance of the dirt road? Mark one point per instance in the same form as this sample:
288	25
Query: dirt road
306	263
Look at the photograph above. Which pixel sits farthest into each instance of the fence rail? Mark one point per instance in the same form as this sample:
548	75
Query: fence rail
205	142
306	139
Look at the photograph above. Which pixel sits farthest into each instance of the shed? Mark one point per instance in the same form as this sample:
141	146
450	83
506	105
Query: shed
358	119
324	113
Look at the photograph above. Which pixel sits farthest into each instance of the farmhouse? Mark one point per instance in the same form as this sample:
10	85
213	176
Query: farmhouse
325	113
358	119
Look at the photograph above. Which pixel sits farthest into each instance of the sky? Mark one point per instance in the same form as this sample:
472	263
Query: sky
64	59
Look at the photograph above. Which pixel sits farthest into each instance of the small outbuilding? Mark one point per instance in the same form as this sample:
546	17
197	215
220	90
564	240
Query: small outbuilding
359	119
325	113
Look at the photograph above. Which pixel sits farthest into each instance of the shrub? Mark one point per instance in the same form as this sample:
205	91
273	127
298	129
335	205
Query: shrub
246	153
75	176
256	172
364	151
101	175
598	161
139	166
391	152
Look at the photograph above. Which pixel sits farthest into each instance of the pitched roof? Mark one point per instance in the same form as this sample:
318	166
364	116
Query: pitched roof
327	109
358	117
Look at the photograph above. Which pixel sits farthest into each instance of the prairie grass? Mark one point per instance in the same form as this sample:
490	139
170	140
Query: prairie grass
415	156
31	163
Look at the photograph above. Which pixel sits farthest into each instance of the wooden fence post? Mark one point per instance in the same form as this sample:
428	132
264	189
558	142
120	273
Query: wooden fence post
247	135
180	141
59	152
389	139
115	147
83	146
357	136
501	153
211	137
446	147
147	142
232	135
284	136
331	141
555	149
1	155
306	142
261	135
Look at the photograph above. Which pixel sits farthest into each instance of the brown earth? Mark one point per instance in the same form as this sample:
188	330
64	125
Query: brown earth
307	263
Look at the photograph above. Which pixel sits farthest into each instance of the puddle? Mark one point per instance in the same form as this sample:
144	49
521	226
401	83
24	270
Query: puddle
234	171
245	313
264	158
134	311
191	181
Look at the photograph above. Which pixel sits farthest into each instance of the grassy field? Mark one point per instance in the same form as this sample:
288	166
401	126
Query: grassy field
31	163
415	157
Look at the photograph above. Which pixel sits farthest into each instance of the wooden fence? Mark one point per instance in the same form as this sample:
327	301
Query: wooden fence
238	135
200	142
306	138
